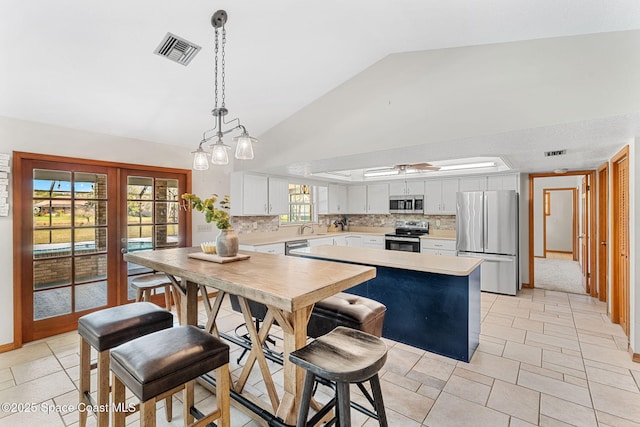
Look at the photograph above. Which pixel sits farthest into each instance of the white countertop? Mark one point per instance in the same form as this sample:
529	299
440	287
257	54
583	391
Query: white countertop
248	239
258	239
441	264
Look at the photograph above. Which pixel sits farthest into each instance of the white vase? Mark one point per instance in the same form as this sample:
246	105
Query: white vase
227	243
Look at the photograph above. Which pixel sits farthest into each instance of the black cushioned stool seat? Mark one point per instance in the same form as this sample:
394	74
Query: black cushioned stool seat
166	361
351	311
104	330
345	356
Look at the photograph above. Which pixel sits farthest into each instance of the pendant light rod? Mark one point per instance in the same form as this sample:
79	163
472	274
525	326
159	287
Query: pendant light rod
244	148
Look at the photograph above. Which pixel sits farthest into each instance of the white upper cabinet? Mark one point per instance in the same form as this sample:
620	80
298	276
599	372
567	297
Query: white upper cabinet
249	194
357	199
473	183
278	196
258	195
440	195
368	199
322	200
503	182
378	198
337	199
406	188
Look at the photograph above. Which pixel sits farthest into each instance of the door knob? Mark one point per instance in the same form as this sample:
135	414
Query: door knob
603	243
123	251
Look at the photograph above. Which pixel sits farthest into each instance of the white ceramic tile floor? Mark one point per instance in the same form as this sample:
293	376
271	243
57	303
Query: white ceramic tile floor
545	358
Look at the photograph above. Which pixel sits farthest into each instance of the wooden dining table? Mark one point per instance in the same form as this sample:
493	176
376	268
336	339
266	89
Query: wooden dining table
288	286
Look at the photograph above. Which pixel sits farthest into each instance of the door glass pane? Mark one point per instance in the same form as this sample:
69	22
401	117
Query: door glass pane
139	188
91	295
90	240
139	237
51	243
166	236
51	184
139	212
90	268
167	189
90	186
90	212
51	303
49	273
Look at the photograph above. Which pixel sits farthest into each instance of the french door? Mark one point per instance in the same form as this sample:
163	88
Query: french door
73	219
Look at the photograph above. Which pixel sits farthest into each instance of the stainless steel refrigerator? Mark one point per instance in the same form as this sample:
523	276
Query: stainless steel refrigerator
487	228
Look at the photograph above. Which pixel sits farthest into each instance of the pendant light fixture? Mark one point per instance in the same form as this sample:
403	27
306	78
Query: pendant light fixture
244	142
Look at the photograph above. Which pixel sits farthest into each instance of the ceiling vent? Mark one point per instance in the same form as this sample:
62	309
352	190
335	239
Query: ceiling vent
177	49
555	153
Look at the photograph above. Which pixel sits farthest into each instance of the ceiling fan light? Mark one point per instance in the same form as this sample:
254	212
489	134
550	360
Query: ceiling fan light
244	146
200	160
468	166
219	154
380	172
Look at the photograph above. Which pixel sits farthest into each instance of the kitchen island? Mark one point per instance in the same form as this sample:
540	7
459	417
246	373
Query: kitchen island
433	301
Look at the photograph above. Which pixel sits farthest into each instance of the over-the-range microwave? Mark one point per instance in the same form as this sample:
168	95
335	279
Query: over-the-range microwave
406	204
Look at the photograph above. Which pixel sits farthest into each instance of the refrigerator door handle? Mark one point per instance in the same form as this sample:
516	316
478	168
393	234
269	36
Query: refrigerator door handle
485	228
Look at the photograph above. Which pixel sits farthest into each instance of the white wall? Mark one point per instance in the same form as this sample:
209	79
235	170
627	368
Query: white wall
538	214
559	222
18	135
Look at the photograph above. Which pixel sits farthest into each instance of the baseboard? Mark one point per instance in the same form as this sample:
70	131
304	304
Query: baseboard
7	347
634	356
526	285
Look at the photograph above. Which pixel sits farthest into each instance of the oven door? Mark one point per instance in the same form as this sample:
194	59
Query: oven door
405	244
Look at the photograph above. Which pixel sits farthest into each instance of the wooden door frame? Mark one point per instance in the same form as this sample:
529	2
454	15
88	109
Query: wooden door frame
603	231
19	254
616	292
573	219
591	174
586	238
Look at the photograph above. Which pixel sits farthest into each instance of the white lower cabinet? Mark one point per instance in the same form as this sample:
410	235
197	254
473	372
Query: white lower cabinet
355	241
321	241
340	240
273	248
376	242
438	247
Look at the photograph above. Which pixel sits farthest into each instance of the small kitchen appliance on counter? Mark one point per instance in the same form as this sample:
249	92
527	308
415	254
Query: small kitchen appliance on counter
407	236
487	228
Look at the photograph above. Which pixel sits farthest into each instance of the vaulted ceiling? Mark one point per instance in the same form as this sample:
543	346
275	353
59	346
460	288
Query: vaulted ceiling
331	84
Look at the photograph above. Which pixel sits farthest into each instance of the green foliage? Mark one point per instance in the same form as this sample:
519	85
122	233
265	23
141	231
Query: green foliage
207	206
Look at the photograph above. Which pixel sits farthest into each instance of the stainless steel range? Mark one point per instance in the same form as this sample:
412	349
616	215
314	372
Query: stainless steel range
407	236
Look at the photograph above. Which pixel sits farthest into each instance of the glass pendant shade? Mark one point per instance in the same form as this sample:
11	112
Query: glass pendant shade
219	154
200	160
244	147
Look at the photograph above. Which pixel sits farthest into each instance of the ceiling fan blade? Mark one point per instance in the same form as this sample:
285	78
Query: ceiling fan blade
424	167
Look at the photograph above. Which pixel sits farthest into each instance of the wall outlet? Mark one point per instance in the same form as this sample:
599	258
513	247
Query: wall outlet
255	225
203	227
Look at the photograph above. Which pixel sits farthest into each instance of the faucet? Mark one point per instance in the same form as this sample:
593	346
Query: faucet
302	228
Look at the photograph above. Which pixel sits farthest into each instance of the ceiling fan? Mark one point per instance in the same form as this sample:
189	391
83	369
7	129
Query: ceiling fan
416	166
401	169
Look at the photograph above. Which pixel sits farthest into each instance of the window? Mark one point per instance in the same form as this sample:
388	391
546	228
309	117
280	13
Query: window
300	205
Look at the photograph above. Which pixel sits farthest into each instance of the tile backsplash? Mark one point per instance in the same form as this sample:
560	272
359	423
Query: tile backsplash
263	224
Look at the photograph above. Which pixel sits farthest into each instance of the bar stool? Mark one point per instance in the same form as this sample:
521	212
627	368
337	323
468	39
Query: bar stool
351	311
162	363
104	330
144	285
344	356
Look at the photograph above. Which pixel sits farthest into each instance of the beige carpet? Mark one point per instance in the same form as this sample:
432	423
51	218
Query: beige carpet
558	275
